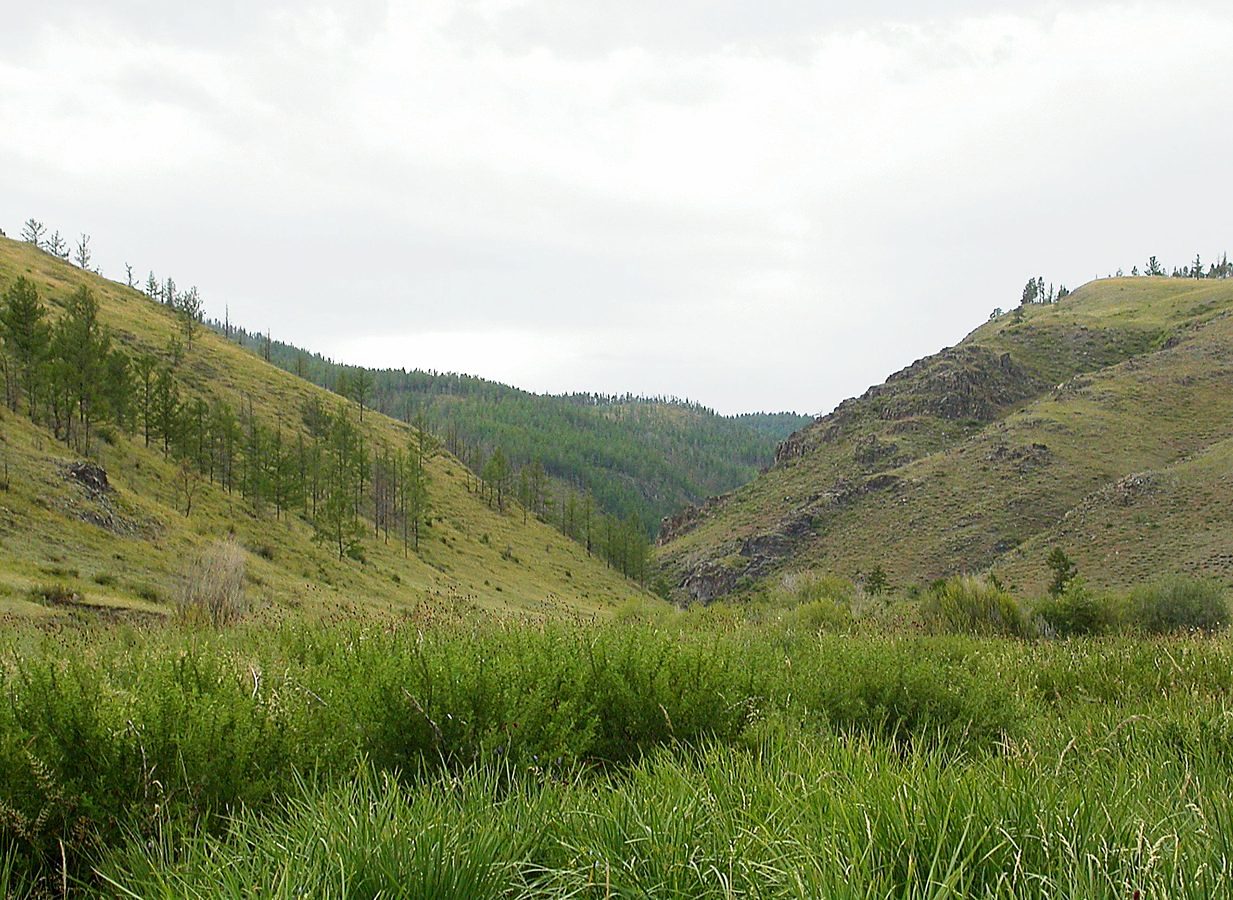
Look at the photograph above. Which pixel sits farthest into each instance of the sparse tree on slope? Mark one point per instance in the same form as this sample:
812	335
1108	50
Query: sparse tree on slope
189	311
83	251
57	246
32	232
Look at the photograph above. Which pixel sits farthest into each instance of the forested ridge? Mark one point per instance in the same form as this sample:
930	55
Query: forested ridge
639	458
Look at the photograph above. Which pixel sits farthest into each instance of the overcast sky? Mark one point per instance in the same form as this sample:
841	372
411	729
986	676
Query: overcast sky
755	205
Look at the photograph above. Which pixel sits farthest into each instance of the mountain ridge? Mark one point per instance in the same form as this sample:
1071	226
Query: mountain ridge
1030	414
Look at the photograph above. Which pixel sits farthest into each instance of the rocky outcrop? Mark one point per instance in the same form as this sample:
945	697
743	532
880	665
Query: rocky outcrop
965	383
760	554
686	520
91	476
1022	459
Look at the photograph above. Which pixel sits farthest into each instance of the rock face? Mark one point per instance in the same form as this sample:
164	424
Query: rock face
686	520
960	383
885	428
758	554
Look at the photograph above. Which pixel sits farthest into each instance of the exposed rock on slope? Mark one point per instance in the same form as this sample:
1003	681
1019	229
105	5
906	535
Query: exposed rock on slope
974	457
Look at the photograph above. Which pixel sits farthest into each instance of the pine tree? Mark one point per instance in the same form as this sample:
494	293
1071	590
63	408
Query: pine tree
588	515
336	521
360	388
32	232
57	246
1153	267
497	474
83	251
27	339
81	345
1063	569
189	310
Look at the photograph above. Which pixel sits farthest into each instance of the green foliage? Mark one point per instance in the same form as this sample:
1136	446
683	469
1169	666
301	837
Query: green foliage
1077	610
635	456
820	615
27	339
970	605
488	759
1063	568
54	593
876	582
1179	603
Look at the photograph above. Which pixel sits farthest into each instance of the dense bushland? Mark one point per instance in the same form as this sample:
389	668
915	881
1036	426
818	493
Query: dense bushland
172	733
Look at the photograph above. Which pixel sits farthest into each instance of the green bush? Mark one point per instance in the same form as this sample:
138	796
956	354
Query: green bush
807	587
1076	611
54	593
969	605
1179	603
820	615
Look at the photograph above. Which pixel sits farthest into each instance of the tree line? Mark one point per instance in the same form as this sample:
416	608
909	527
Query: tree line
1036	291
634	455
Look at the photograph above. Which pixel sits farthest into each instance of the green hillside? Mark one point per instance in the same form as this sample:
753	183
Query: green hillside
639	457
70	543
1100	424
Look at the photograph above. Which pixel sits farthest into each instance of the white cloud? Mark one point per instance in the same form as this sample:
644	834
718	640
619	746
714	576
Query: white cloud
756	211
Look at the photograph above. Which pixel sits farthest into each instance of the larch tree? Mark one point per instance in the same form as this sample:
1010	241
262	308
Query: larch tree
82	257
57	246
27	339
32	231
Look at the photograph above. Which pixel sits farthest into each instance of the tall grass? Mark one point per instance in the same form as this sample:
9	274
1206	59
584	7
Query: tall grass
782	817
970	605
182	732
212	588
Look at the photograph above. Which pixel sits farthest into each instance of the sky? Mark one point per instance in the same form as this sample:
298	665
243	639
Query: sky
758	206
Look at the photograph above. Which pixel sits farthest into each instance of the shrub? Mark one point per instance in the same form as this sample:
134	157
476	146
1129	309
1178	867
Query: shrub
105	579
54	594
968	605
806	587
1179	603
820	615
213	587
148	592
1076	611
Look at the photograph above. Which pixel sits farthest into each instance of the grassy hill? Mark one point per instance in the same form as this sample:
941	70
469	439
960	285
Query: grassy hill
1102	424
640	457
68	544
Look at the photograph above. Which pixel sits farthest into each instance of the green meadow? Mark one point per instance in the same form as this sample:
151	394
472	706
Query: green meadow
733	751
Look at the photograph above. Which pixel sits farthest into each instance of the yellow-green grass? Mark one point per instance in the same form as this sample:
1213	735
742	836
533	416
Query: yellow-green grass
471	558
1132	376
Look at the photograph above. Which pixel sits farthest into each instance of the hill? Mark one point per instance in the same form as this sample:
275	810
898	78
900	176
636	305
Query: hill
1102	424
110	520
639	457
